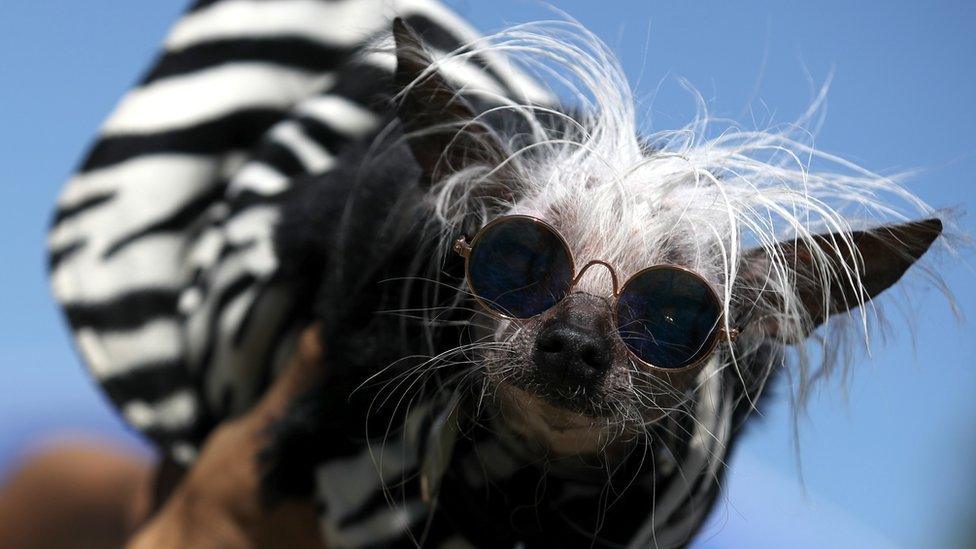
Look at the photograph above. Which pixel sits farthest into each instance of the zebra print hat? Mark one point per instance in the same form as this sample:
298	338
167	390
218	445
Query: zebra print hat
161	251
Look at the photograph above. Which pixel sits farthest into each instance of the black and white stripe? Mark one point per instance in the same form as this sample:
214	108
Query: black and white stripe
160	248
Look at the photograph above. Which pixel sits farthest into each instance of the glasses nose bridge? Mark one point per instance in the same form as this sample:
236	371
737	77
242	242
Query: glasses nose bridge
610	269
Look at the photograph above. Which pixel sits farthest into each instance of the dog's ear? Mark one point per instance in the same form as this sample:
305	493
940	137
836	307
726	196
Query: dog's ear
825	276
440	125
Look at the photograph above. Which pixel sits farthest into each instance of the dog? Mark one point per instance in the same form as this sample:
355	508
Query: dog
461	407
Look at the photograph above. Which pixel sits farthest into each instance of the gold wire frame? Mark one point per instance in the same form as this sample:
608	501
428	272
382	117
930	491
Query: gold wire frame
463	248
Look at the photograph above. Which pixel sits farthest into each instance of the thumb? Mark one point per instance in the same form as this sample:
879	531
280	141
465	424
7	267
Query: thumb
302	372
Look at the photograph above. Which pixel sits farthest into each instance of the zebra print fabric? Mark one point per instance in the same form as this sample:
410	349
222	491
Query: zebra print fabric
161	247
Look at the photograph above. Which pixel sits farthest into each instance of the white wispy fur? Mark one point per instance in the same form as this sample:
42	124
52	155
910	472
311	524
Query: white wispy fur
700	196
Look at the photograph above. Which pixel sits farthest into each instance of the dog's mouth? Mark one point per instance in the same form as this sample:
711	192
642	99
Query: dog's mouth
585	399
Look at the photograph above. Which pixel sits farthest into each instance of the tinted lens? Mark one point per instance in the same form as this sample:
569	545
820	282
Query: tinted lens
668	317
519	267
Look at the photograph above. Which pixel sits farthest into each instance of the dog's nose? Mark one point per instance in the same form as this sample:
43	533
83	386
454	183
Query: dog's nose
573	354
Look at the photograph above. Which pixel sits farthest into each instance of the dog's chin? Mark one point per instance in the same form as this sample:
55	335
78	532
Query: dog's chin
559	424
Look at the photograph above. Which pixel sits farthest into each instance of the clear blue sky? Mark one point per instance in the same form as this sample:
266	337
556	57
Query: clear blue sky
892	465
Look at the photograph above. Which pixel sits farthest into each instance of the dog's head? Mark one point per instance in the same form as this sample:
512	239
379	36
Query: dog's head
770	237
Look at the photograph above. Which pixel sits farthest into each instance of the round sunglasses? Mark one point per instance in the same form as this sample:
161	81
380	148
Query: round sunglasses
668	317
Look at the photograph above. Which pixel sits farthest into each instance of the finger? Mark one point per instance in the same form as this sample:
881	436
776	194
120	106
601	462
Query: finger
302	372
